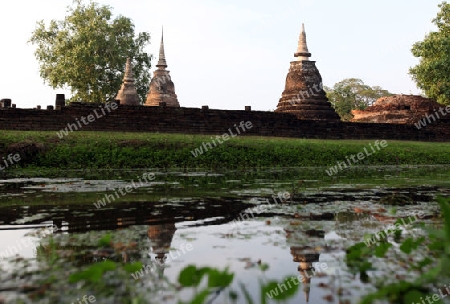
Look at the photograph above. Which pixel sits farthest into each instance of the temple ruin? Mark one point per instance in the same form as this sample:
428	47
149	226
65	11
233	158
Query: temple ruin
162	89
303	95
303	111
399	109
127	94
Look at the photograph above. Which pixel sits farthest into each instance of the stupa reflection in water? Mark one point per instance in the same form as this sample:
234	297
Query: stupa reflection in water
306	256
161	236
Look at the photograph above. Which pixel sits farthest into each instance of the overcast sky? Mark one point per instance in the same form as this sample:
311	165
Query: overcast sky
231	53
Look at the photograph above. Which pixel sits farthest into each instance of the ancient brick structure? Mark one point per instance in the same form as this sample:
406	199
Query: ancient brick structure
303	94
208	121
399	109
162	89
5	103
303	112
127	94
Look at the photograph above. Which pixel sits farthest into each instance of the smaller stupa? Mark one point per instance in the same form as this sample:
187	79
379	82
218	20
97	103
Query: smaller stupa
127	93
162	89
303	94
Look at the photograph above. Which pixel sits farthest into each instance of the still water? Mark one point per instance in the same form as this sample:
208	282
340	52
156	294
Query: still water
262	225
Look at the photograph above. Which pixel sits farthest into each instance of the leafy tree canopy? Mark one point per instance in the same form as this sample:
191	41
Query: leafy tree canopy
432	74
352	94
87	52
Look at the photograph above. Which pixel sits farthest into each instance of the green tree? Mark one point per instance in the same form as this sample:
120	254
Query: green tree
352	94
87	52
432	74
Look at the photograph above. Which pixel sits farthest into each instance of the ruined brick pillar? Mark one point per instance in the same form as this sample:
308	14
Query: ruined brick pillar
5	103
60	101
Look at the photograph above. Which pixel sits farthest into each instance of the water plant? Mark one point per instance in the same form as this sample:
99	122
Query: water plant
426	257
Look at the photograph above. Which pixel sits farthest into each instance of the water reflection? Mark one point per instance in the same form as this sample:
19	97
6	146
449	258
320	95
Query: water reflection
305	267
156	225
161	237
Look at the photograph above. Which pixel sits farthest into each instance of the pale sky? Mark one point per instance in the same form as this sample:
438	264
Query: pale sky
231	53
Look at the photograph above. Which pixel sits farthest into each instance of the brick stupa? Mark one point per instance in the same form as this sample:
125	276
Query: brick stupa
127	93
303	94
162	88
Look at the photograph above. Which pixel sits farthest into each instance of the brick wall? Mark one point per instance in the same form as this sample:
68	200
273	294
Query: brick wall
209	121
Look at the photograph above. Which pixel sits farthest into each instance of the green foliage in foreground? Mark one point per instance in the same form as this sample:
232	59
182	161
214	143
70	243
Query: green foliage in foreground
424	271
207	282
428	272
217	281
105	150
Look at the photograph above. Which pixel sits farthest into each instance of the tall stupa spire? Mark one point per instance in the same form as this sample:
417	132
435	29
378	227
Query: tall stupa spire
303	93
162	64
162	89
128	71
302	50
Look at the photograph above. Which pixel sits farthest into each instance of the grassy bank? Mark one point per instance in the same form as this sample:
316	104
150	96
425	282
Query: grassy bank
149	150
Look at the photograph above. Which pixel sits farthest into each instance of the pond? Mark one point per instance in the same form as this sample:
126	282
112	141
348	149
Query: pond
262	225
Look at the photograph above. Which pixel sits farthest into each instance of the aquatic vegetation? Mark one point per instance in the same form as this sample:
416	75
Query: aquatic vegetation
426	256
106	252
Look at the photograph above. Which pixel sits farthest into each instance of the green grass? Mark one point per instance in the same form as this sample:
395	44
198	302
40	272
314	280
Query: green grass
80	150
